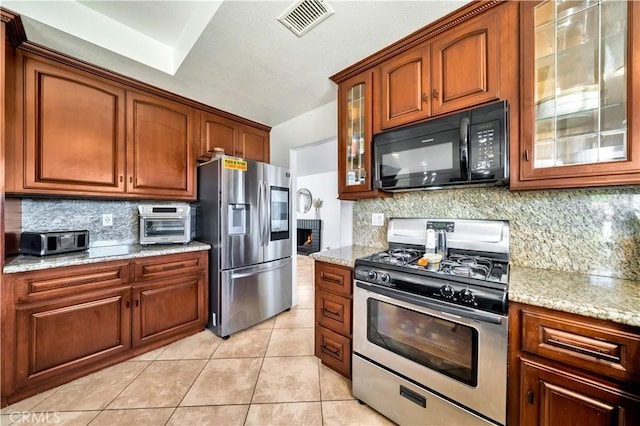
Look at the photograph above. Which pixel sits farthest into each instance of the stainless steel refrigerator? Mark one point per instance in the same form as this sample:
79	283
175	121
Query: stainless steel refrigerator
244	212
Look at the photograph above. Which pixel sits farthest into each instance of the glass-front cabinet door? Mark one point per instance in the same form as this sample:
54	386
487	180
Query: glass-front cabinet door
577	61
355	134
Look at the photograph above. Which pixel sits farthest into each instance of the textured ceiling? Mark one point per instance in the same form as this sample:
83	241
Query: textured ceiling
241	60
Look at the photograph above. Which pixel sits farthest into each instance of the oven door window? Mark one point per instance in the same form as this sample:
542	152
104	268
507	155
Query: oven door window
439	344
164	227
418	162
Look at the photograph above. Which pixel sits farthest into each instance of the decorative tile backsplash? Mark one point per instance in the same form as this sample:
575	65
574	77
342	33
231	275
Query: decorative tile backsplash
593	231
59	214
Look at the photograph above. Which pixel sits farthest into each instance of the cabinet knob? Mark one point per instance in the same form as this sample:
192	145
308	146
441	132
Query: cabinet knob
425	98
434	94
526	155
530	397
130	179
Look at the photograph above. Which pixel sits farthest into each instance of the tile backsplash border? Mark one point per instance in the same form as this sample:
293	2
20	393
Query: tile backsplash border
591	231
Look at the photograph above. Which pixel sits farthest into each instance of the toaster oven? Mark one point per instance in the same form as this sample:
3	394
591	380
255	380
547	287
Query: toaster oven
167	224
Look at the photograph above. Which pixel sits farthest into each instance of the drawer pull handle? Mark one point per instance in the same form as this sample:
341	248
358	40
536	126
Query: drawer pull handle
172	267
413	397
530	397
331	313
336	279
583	351
329	351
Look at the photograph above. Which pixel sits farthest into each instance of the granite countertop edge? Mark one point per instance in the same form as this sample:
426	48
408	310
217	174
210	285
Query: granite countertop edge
605	298
344	256
24	263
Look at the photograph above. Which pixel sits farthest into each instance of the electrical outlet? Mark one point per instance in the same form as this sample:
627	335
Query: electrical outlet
107	219
377	219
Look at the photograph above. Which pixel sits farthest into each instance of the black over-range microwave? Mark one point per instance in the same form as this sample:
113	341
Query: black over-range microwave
466	148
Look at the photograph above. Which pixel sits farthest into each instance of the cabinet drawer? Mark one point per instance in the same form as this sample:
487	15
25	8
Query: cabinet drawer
596	347
333	278
334	312
170	265
334	350
59	282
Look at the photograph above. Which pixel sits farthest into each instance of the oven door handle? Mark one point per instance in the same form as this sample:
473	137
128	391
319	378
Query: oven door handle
420	301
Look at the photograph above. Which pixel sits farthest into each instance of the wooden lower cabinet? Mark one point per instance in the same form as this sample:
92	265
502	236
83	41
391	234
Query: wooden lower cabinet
63	323
567	369
168	307
334	350
552	397
67	334
334	323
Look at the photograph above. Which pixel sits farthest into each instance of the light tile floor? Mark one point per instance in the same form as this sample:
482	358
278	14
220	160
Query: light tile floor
266	375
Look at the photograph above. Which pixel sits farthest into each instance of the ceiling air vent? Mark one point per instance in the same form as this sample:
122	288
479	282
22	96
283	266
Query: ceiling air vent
303	15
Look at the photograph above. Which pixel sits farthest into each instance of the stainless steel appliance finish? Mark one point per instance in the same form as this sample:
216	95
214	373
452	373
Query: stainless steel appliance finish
55	242
430	343
244	212
167	224
467	148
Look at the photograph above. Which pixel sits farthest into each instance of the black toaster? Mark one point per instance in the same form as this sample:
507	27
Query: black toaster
55	242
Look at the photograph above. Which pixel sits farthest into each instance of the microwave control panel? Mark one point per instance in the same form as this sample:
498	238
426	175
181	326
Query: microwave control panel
486	146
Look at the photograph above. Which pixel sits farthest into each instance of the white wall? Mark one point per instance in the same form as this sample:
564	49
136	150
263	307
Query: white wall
324	186
318	125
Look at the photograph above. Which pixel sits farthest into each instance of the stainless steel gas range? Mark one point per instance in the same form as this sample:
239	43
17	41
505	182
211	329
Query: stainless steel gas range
430	341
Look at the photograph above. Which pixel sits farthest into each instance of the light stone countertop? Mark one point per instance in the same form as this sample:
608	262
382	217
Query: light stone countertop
345	256
589	295
593	296
24	263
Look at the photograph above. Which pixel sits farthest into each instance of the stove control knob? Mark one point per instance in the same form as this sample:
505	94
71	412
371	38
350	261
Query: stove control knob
372	275
447	291
385	278
466	296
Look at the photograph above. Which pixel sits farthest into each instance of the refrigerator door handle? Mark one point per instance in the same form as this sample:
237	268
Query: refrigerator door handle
237	275
264	232
260	207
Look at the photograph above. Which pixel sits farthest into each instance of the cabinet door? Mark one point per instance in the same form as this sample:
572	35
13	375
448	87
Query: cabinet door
552	398
61	337
464	69
405	87
355	137
74	124
580	79
164	309
216	132
160	149
253	144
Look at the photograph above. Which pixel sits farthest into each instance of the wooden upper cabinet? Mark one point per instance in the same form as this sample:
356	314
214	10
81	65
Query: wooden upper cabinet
405	88
580	73
216	132
465	64
238	140
355	133
454	70
159	144
253	144
74	128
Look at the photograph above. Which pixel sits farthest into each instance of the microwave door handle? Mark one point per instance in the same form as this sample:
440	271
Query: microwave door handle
464	148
